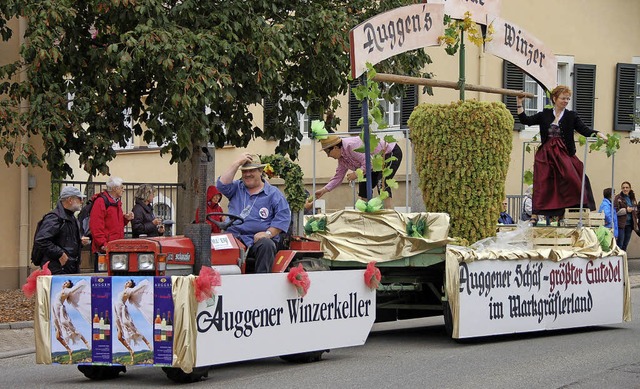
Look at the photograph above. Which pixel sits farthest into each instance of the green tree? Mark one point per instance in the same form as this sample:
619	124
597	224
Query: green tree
183	72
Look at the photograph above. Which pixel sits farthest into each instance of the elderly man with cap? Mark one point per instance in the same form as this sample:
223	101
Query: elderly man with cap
343	149
263	207
59	237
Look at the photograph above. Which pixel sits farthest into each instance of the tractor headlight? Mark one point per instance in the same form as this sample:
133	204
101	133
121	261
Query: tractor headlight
120	262
146	261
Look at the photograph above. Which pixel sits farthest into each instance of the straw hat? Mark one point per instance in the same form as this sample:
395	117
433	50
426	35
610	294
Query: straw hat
330	141
253	164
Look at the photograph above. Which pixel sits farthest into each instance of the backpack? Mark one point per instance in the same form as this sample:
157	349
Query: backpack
36	251
85	212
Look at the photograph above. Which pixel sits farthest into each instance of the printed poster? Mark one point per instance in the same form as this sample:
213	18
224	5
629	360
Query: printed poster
71	320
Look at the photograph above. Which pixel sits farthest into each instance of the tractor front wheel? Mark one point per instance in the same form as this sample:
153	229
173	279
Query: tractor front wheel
99	373
178	375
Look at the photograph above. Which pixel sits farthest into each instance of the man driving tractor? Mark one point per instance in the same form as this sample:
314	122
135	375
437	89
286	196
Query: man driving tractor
263	207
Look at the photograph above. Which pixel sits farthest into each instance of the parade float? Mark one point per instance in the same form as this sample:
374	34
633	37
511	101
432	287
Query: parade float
184	304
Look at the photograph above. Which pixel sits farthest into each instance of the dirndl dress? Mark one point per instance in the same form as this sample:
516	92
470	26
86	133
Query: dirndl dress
557	178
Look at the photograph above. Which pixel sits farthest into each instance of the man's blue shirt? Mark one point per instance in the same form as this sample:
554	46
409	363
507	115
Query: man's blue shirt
267	208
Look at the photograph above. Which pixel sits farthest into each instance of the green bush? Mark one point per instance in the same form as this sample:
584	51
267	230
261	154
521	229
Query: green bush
462	152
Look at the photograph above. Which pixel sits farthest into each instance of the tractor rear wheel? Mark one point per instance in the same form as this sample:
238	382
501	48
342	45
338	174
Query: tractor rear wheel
312	356
310	264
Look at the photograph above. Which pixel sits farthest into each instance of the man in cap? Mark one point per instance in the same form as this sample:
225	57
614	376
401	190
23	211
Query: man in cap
59	237
344	150
263	207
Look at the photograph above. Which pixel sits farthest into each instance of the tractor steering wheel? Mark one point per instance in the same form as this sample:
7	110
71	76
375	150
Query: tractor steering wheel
232	220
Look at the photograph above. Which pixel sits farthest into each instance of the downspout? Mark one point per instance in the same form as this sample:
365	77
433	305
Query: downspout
25	200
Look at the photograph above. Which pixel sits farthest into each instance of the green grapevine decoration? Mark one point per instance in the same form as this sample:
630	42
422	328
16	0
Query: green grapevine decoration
279	166
462	153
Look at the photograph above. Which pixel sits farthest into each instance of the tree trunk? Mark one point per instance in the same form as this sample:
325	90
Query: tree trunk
191	174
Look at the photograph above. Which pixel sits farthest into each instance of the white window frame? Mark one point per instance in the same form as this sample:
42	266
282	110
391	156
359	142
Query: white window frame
391	110
129	123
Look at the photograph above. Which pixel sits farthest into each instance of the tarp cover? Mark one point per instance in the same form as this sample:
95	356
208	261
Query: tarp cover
382	236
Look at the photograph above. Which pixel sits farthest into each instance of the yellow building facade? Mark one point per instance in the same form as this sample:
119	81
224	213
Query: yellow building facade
593	41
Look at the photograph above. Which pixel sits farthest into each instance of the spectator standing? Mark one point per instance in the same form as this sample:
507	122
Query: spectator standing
505	218
213	205
107	221
144	221
59	237
526	214
625	206
607	208
263	207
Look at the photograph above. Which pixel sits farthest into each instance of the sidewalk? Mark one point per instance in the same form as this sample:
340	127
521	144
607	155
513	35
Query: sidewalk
17	338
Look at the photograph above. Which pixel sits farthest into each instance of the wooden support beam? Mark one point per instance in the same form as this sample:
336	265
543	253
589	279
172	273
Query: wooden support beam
394	78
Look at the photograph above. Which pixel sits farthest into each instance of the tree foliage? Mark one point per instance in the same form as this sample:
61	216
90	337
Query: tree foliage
180	73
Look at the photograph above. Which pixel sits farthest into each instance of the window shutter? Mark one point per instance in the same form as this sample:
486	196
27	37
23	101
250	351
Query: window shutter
355	109
409	102
626	74
512	78
584	92
270	118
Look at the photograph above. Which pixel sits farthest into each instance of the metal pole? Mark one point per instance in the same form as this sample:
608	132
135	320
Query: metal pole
407	181
613	210
367	143
461	75
584	175
313	180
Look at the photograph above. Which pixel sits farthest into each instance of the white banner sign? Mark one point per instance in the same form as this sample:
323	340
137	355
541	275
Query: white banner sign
524	50
479	9
260	315
395	32
500	297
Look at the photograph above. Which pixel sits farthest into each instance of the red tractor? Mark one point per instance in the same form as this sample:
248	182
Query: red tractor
186	254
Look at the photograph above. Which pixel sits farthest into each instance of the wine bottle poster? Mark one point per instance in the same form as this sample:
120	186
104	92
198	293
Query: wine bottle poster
101	328
71	319
132	320
163	321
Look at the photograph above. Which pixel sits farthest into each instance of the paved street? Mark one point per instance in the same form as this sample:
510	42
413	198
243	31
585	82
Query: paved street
611	352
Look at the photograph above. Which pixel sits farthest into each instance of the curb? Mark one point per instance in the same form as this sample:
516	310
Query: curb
16	325
17	353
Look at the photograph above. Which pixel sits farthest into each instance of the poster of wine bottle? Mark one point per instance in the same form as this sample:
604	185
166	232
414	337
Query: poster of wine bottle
163	322
100	322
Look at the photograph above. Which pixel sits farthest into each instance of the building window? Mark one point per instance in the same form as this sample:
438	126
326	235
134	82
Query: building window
583	94
391	111
128	122
396	112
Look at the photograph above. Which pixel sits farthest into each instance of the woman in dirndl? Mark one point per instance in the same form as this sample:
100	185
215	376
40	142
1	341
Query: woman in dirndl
557	172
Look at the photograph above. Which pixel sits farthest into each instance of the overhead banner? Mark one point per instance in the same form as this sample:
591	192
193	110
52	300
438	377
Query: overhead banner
479	9
395	32
509	296
261	315
514	44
